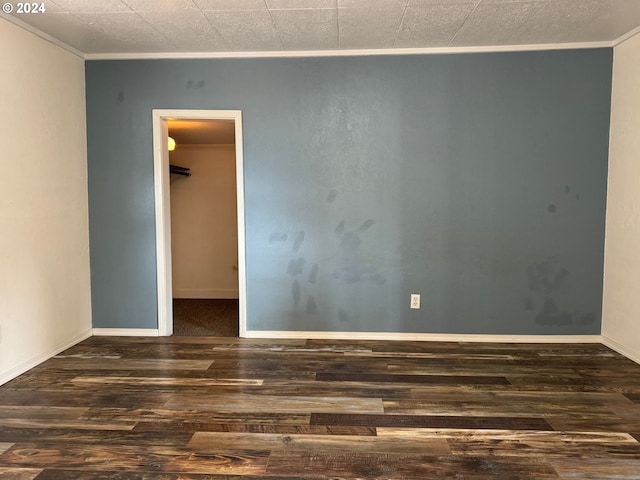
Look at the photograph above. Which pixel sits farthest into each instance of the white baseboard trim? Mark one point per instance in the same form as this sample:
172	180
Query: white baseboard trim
126	332
425	337
621	349
37	360
219	293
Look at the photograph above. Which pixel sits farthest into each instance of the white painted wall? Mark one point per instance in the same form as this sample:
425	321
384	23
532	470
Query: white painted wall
44	235
621	305
204	233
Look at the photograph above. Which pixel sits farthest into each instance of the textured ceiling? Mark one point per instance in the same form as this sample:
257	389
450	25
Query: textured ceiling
190	26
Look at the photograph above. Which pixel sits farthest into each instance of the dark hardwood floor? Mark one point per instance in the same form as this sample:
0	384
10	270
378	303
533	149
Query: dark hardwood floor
187	408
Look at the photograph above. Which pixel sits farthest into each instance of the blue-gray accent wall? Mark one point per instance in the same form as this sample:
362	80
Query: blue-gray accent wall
476	180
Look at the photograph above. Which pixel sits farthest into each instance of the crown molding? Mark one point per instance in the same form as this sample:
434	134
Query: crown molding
45	36
626	36
348	53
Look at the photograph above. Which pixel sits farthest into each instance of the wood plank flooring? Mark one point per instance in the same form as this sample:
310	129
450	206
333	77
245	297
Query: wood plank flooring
207	408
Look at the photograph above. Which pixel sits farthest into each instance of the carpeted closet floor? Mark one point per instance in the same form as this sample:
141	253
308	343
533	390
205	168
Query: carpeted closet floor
205	317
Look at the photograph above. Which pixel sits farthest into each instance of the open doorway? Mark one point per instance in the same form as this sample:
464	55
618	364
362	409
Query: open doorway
204	227
199	222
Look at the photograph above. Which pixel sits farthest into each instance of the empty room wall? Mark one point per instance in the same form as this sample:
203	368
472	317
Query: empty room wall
621	308
204	223
476	180
44	242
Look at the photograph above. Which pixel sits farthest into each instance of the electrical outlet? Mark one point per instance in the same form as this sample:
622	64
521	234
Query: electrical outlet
415	300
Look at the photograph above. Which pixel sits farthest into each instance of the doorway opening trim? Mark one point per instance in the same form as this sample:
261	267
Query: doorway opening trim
163	211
